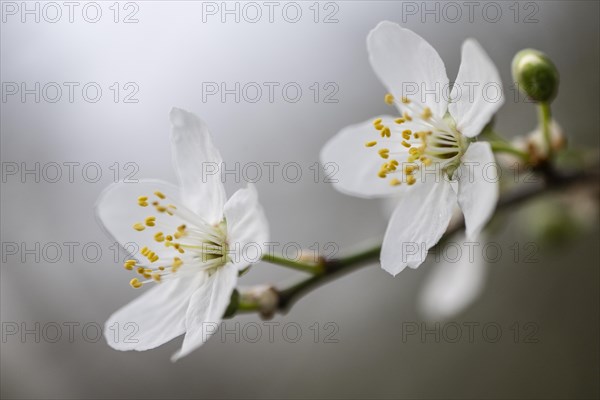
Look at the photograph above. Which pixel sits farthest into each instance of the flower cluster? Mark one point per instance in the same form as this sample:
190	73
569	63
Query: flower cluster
426	158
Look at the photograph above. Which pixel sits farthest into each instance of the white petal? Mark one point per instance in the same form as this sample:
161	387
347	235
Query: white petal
418	223
477	93
477	187
206	309
247	227
403	60
197	163
455	281
352	167
154	318
117	210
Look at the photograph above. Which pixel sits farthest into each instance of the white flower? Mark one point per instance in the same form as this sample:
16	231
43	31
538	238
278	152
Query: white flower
192	240
429	155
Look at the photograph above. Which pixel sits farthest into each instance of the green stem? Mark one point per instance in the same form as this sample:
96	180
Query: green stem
545	116
505	147
312	268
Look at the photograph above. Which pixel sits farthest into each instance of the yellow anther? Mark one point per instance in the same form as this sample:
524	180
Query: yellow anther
139	227
385	132
382	173
177	235
150	221
406	134
394	162
177	263
159	237
181	228
413	151
143	201
377	122
370	144
129	264
161	268
399	121
389	99
395	182
135	283
156	277
405	100
379	127
406	144
384	153
410	169
160	195
390	166
410	179
144	250
426	161
406	116
168	238
426	113
161	209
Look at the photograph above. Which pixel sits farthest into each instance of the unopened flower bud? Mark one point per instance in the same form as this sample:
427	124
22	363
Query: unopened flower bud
536	75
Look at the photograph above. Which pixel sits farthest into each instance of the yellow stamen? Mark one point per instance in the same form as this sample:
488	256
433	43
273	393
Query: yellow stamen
410	169
139	227
384	153
385	132
160	195
426	113
135	283
405	144
370	144
395	182
405	100
377	122
177	263
406	134
389	99
156	277
406	116
410	179
150	221
129	264
399	121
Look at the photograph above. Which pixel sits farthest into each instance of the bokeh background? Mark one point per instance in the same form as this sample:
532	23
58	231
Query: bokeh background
168	54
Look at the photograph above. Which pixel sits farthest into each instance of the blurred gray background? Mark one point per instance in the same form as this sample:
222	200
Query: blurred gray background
168	54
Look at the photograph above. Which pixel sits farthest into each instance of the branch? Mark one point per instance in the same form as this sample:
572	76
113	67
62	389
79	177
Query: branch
267	300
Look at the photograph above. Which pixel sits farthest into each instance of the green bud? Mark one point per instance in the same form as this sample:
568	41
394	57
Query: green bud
535	75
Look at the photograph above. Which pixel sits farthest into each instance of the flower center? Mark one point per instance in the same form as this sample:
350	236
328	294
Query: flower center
432	144
197	245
